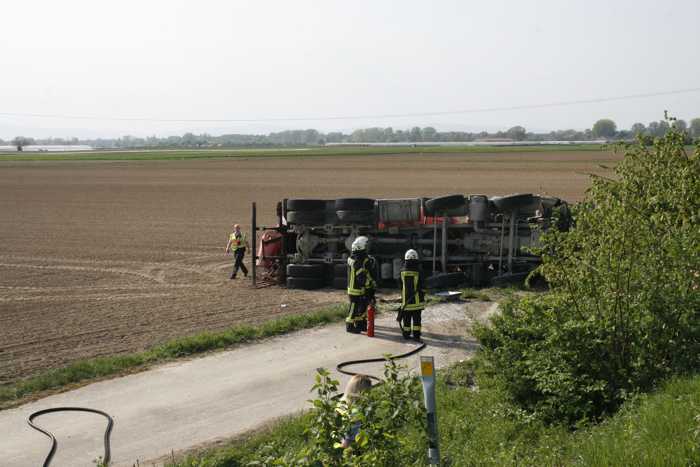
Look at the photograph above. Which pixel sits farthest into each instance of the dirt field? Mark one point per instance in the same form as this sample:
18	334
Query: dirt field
98	258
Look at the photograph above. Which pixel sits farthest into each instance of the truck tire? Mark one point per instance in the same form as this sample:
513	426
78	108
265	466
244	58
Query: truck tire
305	283
441	281
306	205
340	283
354	204
313	271
443	203
306	217
510	203
356	217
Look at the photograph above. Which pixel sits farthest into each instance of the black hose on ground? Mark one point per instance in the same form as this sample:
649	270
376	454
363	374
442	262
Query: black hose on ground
54	443
342	365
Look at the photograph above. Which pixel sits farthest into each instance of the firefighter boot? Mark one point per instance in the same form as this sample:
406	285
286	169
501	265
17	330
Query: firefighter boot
351	327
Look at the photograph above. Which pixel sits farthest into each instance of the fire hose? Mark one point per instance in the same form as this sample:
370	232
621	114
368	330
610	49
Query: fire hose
54	443
342	365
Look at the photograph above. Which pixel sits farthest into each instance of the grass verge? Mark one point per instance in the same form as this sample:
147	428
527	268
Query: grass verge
479	425
87	370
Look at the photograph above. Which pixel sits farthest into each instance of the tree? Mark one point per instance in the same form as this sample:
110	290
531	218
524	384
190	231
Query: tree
516	133
21	142
680	125
604	128
638	129
695	128
334	137
389	135
429	134
653	129
416	134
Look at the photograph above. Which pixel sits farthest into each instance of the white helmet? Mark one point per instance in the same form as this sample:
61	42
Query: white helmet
411	254
360	244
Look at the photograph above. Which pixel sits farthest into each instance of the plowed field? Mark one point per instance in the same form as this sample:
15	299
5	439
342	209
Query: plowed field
99	258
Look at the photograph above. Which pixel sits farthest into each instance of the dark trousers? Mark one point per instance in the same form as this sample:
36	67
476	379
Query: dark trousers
239	254
410	323
356	320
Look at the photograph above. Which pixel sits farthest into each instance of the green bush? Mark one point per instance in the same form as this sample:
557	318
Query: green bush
389	416
622	313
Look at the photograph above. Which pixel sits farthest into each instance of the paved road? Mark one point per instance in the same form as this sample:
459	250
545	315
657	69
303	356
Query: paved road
183	404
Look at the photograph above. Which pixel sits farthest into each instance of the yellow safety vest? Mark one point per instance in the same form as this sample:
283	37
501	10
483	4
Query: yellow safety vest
360	278
237	243
412	297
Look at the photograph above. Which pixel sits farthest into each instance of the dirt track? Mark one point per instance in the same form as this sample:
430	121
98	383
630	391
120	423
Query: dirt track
98	258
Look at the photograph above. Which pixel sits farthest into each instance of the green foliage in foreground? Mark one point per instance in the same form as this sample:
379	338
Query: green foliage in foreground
479	424
180	347
283	152
622	313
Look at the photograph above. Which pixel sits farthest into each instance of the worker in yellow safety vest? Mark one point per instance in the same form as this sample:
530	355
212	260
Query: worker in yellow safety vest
412	296
361	285
237	243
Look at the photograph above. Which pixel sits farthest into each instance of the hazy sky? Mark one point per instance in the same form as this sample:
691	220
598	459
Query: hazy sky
209	60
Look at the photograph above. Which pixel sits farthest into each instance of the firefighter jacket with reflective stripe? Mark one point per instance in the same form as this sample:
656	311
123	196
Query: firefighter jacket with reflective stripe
412	292
239	242
360	276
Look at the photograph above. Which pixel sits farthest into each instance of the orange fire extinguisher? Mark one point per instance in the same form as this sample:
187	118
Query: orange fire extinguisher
370	320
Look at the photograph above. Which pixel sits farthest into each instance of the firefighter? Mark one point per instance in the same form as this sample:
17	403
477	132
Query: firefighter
237	242
412	296
361	285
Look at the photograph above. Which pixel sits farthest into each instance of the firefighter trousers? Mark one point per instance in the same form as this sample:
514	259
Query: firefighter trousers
410	323
356	320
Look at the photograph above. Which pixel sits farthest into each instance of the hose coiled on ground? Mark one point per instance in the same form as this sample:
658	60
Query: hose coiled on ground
54	443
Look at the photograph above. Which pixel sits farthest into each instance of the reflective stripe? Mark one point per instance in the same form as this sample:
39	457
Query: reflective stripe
237	243
410	293
356	286
352	289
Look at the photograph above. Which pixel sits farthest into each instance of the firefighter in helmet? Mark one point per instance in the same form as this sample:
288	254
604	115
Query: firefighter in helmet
412	296
361	285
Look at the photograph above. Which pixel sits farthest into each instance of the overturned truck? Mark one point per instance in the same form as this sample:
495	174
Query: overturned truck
461	240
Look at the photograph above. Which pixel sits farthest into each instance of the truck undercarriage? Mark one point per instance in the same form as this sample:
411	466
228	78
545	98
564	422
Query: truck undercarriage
472	239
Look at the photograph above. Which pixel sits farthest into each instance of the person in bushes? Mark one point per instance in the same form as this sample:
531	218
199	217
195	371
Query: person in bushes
412	297
356	385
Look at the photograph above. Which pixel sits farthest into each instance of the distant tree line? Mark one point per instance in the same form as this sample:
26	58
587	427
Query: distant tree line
604	129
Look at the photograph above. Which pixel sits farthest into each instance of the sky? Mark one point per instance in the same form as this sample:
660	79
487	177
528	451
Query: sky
132	65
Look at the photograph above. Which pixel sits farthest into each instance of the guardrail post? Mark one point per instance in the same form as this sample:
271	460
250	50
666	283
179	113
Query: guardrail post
427	370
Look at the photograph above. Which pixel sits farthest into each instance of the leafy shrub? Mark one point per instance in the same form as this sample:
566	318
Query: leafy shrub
389	416
625	292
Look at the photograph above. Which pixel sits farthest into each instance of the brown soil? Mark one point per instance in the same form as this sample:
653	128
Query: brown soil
101	258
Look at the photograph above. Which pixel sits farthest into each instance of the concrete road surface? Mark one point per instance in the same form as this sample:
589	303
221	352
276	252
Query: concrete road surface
183	404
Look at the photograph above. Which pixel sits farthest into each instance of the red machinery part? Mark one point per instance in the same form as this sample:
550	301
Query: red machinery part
270	247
